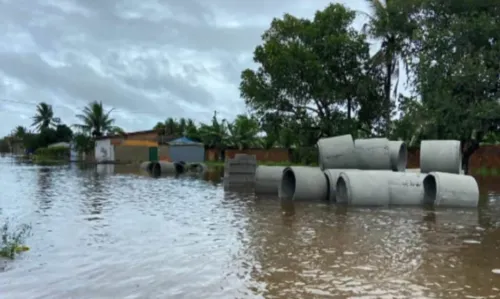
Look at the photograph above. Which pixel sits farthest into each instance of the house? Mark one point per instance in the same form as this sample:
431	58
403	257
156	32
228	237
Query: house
132	147
187	150
17	147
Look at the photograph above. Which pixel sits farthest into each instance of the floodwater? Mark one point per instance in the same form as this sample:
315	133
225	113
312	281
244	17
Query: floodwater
108	232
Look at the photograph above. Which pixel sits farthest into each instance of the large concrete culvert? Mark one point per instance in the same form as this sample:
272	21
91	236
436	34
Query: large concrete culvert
440	156
373	154
362	188
147	166
337	153
451	190
267	179
379	188
163	168
398	155
332	176
303	183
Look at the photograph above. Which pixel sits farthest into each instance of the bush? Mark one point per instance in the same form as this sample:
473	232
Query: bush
12	242
305	155
55	153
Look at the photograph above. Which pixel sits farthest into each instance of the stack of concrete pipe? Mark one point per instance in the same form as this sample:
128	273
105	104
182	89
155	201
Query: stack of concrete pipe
372	172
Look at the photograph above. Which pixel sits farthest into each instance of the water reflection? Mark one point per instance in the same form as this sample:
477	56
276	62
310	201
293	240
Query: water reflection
44	188
123	235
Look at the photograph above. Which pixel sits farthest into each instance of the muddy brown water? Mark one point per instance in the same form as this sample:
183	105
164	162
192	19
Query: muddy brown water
108	232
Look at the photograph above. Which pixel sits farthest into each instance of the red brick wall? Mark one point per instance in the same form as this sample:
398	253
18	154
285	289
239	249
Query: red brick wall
270	155
487	156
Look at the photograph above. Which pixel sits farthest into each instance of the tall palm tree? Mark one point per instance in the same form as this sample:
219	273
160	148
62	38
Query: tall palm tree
216	134
44	117
95	120
388	23
19	132
243	131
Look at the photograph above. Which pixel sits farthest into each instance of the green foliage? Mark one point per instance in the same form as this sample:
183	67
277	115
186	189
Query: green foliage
83	143
95	120
310	72
44	117
12	242
243	132
4	145
183	127
55	153
63	133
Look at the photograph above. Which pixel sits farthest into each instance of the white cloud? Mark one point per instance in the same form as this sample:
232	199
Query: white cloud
148	59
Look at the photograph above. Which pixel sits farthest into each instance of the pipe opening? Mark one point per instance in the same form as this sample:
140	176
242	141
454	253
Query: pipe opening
155	169
150	167
430	189
402	157
179	167
329	188
288	184
342	192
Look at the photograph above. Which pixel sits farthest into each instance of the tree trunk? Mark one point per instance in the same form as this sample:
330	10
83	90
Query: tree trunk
387	93
469	147
349	108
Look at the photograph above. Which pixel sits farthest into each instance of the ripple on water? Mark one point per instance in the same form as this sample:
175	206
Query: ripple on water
105	233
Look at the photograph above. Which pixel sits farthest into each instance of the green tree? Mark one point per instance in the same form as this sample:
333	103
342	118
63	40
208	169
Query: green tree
4	145
44	117
95	120
192	130
243	132
63	133
457	71
310	71
389	24
83	143
19	132
216	134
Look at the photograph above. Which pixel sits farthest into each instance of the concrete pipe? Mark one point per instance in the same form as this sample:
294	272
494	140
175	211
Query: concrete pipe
373	154
399	155
147	166
451	190
303	183
363	188
337	153
267	179
333	175
196	167
440	156
167	168
405	188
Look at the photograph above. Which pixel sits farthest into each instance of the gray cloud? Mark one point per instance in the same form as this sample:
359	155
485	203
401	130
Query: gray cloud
149	59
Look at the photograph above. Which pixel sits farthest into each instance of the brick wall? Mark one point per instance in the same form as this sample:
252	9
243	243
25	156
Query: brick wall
127	154
163	153
271	155
487	156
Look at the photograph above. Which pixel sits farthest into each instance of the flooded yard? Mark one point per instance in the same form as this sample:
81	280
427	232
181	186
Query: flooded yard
108	232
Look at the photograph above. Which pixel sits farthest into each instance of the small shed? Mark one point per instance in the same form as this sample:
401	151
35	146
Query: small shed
187	150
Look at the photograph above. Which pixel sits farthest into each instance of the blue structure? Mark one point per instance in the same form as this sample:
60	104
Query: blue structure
187	150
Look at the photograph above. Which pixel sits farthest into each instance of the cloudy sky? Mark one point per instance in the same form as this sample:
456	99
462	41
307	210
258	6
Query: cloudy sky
148	59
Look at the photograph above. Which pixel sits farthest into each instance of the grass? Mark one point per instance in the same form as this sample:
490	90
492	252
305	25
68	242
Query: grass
12	242
41	160
484	171
266	163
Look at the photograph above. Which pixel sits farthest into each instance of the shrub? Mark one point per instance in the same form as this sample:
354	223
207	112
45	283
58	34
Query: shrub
56	153
12	241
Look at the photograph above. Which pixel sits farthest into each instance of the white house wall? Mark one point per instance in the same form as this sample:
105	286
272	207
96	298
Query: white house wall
104	151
